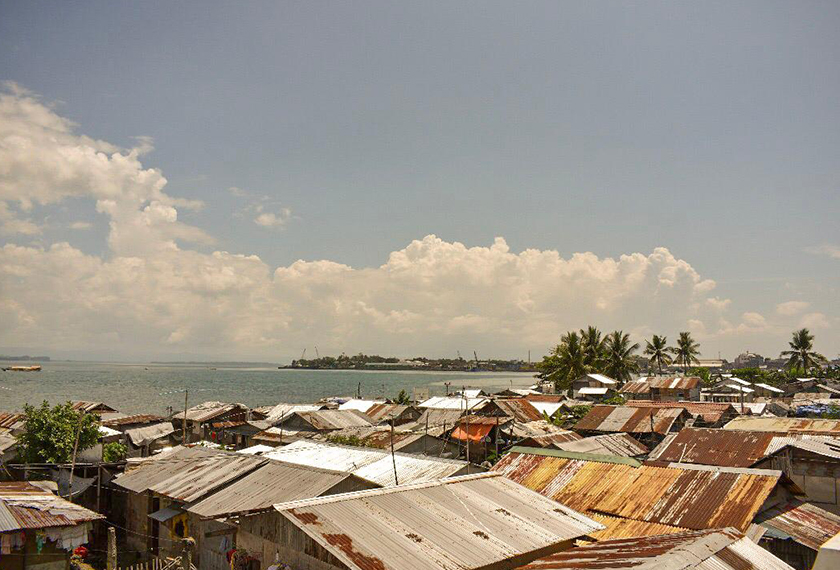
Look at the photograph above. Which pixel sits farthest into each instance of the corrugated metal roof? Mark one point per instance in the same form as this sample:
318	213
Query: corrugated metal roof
129	420
208	410
25	506
643	386
599	378
86	406
805	523
276	413
360	405
464	522
147	434
10	419
770	388
824	447
710	412
188	474
382	412
550	439
519	409
546	398
438	417
271	483
547	408
332	419
628	528
371	464
719	549
629	419
785	425
620	444
453	403
681	497
593	391
727	448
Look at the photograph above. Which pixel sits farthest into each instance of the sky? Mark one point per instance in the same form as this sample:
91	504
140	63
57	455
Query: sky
245	180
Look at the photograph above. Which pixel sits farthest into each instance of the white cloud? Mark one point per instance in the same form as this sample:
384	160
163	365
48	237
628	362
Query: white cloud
791	308
831	250
272	219
81	225
238	192
152	293
814	321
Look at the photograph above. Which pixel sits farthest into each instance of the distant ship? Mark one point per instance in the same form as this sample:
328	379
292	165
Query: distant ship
33	368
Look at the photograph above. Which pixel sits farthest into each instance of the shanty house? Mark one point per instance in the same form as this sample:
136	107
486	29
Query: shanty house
161	487
471	522
519	409
814	465
38	529
795	531
199	419
659	389
705	414
648	424
397	414
325	420
594	387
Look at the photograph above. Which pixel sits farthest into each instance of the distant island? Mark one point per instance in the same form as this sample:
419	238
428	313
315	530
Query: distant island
25	358
420	363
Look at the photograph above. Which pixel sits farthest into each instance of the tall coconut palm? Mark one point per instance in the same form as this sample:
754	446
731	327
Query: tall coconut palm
687	350
619	361
658	351
801	353
565	363
593	346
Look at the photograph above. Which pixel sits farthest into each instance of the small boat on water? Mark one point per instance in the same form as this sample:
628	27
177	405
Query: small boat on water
33	368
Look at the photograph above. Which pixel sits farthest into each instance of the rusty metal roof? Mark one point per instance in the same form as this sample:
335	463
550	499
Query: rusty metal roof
628	528
25	506
630	419
620	444
333	419
85	406
805	523
130	420
271	483
785	425
550	439
718	549
10	419
546	397
209	410
462	522
710	412
643	386
519	409
676	496
381	412
726	448
188	474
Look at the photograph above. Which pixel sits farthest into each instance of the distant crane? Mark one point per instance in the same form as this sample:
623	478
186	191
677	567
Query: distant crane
476	359
317	354
303	355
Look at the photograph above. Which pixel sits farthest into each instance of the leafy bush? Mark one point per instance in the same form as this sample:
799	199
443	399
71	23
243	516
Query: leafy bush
49	433
114	451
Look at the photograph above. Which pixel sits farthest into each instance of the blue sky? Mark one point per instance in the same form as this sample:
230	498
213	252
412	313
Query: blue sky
710	129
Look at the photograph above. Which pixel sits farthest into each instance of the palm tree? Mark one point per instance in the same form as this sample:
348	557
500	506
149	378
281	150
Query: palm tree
593	346
801	353
619	362
687	350
658	351
565	363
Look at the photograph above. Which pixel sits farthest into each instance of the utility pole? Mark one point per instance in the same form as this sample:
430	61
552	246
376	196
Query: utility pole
184	438
186	556
393	457
467	407
73	462
111	561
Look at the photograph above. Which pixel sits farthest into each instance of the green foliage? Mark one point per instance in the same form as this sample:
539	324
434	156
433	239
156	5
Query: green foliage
403	398
832	414
565	363
687	350
593	347
703	373
617	400
49	433
658	352
353	440
619	362
801	353
114	451
579	411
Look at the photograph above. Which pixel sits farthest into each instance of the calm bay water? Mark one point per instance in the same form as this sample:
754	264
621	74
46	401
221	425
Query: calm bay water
134	388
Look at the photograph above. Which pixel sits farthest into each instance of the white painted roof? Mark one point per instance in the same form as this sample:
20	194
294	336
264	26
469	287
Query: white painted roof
593	391
360	405
602	379
547	408
743	389
453	403
771	388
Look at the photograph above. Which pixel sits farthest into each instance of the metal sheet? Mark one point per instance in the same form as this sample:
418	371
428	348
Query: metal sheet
804	523
715	447
25	506
465	522
785	425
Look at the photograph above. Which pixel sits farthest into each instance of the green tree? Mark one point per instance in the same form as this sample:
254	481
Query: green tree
114	451
593	347
801	353
658	351
565	363
403	398
49	433
687	350
619	361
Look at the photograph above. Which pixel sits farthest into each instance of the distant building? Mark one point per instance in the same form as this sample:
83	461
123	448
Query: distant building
749	360
659	389
594	387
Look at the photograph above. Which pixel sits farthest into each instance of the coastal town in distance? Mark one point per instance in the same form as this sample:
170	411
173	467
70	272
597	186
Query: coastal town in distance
432	285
